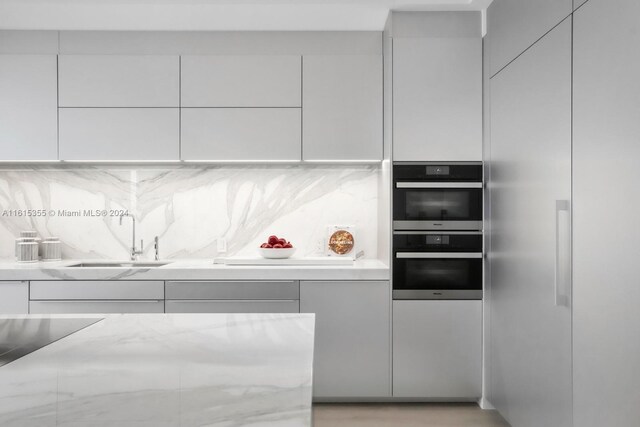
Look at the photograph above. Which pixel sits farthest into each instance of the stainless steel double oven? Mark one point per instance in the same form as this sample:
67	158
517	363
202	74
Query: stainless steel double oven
437	231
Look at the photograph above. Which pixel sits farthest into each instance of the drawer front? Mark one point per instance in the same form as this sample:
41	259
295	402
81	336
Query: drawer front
97	290
100	307
230	306
280	290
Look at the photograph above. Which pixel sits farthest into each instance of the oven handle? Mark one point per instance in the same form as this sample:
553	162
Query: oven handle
438	185
432	255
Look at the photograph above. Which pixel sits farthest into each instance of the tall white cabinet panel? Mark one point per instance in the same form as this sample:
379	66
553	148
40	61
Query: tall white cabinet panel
14	297
119	134
241	81
342	107
352	349
437	349
514	25
437	99
606	149
578	3
240	134
119	81
530	264
28	107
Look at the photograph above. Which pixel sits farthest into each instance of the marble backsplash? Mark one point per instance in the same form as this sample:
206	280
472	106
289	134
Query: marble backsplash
190	208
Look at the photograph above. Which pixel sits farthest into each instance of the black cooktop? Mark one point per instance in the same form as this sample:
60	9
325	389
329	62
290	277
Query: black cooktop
19	337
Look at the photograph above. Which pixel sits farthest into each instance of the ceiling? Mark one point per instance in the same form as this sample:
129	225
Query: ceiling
214	15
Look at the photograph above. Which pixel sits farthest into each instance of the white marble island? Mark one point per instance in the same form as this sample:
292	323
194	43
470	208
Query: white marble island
165	370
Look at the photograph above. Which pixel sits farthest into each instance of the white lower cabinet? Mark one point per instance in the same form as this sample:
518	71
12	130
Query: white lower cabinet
230	306
14	297
437	350
106	307
352	348
96	296
232	296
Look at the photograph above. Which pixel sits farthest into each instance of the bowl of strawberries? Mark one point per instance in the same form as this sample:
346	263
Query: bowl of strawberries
276	248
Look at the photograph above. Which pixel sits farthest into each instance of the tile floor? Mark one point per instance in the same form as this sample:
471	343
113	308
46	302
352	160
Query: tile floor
404	415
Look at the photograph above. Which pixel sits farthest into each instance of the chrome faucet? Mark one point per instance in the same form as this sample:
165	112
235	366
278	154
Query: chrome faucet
156	246
134	252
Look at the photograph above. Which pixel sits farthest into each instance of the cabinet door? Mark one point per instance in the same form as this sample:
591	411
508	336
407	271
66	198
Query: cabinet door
233	290
514	25
96	290
240	134
437	99
606	149
241	81
14	297
119	134
530	156
342	105
437	349
231	306
119	81
352	348
100	307
28	107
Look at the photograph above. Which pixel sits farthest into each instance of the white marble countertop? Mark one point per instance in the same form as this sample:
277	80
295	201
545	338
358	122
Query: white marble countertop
194	269
166	370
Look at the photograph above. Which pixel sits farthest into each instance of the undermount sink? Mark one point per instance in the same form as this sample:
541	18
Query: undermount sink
123	264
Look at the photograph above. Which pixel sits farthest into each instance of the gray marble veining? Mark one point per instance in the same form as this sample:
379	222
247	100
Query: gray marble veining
189	207
167	370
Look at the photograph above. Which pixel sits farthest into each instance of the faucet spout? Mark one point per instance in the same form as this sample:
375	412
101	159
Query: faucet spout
134	251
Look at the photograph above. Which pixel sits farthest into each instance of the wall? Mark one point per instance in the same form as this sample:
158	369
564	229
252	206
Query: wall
190	207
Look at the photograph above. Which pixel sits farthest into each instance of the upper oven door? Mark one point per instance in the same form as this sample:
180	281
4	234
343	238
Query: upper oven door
437	206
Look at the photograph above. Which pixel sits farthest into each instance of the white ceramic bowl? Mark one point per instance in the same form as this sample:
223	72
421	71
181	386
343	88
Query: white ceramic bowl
276	253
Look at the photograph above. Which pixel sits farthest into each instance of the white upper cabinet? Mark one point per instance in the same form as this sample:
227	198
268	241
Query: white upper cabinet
240	134
241	81
130	126
28	107
342	107
115	134
437	99
119	81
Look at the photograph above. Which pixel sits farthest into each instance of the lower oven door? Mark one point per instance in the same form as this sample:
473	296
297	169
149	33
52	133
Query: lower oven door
437	275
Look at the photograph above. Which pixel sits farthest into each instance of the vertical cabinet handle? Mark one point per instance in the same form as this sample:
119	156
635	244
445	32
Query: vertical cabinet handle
562	279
